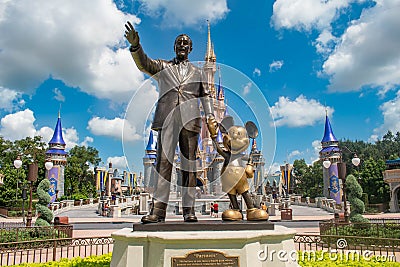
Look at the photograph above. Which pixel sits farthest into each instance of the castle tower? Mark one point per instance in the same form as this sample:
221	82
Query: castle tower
110	175
331	151
56	153
149	161
259	163
219	103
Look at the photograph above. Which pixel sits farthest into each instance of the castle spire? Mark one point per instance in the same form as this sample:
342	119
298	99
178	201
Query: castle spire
151	144
57	138
220	92
254	145
328	134
210	55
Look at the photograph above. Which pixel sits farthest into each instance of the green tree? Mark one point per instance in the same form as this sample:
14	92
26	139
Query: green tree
308	178
371	179
78	177
31	149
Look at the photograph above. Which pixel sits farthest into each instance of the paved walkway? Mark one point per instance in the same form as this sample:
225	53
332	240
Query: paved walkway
88	215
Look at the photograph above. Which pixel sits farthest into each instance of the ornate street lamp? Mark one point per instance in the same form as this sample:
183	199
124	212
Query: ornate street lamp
18	162
32	177
327	163
48	164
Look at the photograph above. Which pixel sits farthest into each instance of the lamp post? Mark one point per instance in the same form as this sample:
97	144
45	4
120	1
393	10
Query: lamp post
32	177
24	197
342	176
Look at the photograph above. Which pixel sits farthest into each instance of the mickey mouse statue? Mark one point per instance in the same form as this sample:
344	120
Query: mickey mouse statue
234	175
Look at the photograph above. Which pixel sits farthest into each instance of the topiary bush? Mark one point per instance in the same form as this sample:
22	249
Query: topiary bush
354	193
45	214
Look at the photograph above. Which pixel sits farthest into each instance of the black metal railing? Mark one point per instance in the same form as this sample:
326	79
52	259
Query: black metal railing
384	228
385	220
19	234
11	224
40	251
388	247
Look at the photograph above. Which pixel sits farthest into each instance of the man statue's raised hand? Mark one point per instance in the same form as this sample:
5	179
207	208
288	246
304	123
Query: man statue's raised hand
131	35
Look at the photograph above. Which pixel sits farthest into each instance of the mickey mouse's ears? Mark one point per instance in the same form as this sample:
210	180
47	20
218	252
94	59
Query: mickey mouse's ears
251	129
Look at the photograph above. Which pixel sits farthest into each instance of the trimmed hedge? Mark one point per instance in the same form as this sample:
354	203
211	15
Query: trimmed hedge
321	261
328	260
92	261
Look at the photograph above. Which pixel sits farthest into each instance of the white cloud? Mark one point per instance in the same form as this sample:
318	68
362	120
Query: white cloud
368	52
77	42
21	124
316	144
10	99
178	13
275	167
246	88
119	163
58	95
86	142
47	133
113	128
298	113
294	154
18	125
306	14
391	118
325	42
257	72
275	65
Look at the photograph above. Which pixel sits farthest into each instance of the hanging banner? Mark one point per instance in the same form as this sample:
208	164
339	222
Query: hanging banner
134	181
286	177
334	184
53	178
98	181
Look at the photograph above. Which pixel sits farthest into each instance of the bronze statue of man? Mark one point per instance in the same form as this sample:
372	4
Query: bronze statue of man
177	118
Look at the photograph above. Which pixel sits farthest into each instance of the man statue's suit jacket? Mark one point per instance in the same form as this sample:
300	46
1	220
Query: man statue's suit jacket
180	84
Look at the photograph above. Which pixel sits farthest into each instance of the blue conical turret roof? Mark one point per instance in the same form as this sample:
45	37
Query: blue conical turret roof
57	136
151	144
226	112
328	135
219	137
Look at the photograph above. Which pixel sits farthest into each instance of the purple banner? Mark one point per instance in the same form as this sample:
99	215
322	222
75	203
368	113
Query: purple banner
53	178
334	184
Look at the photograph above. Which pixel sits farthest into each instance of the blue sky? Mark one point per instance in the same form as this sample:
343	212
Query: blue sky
302	56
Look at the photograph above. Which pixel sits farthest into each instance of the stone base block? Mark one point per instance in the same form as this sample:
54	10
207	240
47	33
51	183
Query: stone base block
245	248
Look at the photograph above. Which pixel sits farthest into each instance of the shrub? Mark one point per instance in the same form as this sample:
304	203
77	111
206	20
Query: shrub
332	260
354	193
45	214
92	261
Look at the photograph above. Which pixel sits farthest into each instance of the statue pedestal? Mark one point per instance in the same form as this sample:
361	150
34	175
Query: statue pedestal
187	247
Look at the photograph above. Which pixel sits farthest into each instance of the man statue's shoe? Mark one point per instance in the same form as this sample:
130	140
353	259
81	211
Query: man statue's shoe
190	218
152	218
